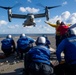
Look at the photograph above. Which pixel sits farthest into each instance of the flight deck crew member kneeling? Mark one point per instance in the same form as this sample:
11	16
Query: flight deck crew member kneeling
8	45
24	43
68	46
37	59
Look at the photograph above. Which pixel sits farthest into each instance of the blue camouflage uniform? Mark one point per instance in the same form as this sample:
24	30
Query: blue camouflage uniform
68	47
28	43
37	61
40	54
8	46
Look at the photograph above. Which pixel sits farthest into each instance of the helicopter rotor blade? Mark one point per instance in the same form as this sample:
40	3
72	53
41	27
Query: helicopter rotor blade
39	4
5	7
53	7
10	7
16	5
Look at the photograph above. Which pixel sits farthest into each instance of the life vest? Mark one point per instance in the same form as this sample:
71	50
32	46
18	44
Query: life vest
6	43
23	43
63	29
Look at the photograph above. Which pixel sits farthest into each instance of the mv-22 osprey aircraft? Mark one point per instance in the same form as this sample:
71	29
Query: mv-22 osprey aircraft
30	18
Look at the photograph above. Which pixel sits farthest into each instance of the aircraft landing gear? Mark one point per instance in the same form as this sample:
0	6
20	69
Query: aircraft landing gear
34	24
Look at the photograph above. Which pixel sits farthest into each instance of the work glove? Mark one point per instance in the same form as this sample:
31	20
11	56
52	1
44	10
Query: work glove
62	62
46	22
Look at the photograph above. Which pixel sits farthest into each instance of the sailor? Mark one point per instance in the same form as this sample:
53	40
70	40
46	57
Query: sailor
8	45
68	47
24	43
57	36
63	28
37	59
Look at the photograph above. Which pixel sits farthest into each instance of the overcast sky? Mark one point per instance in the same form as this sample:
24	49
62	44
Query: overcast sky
66	13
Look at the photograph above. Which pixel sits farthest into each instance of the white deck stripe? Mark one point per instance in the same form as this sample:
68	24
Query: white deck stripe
53	50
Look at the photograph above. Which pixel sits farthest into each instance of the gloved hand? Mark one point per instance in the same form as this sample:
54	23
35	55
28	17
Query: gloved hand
46	22
62	62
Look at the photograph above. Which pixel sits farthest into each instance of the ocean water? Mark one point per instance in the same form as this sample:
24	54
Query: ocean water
15	35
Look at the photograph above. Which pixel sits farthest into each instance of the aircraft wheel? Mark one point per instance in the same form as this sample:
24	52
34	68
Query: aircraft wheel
34	24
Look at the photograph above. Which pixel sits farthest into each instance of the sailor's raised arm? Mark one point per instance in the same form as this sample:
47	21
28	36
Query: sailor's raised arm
53	25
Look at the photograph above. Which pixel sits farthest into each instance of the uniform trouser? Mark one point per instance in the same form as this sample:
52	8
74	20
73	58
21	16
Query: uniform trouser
71	69
57	37
7	52
23	51
65	69
39	69
59	69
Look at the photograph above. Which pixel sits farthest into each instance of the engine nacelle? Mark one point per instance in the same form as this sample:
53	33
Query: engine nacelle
47	16
9	14
47	13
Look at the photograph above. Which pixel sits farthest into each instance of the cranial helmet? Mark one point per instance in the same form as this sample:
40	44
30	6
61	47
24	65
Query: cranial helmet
62	23
58	22
71	32
41	40
9	36
22	35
